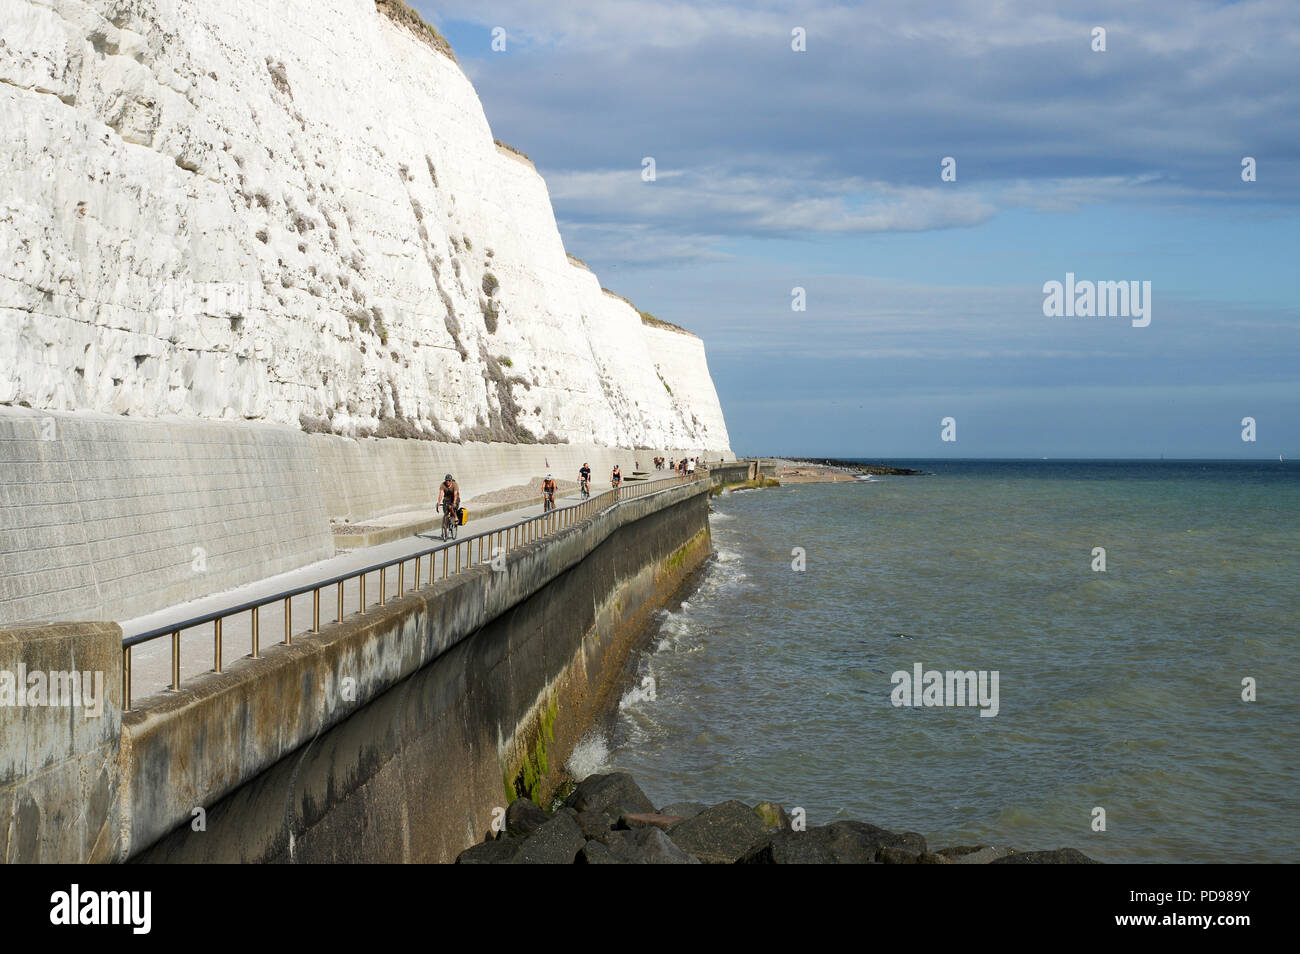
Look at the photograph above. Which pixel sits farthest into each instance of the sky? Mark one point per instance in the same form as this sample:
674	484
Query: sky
820	169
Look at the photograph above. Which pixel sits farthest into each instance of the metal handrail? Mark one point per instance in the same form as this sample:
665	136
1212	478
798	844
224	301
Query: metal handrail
522	532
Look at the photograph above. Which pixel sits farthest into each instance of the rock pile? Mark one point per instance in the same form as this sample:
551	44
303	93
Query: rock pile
609	820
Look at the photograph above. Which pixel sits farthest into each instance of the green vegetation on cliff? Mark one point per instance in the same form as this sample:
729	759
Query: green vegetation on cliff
400	12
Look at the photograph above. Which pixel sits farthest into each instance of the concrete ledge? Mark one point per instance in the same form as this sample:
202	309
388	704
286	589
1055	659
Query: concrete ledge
732	473
58	763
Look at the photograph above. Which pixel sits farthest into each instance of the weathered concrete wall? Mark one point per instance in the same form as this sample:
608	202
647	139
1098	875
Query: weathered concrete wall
733	473
470	685
412	470
107	517
58	763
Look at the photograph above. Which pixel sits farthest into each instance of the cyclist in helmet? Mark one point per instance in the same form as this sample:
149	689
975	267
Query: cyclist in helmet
449	494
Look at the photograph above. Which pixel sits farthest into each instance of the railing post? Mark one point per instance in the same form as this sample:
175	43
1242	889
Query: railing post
315	610
401	578
340	619
383	584
126	678
362	610
288	620
417	572
176	660
216	645
255	631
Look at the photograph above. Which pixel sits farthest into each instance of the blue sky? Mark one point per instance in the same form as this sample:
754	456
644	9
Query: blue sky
821	169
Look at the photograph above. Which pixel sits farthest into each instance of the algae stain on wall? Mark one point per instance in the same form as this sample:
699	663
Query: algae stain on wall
525	773
675	560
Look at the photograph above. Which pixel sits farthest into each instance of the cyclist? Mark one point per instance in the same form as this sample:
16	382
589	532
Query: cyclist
616	478
584	479
548	494
449	504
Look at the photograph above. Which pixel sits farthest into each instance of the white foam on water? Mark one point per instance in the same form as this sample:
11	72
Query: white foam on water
638	694
590	756
673	629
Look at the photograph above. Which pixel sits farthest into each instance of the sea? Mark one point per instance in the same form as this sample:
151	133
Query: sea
1141	618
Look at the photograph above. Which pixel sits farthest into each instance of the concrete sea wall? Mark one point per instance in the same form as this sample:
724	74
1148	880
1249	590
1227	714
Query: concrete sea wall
389	737
60	739
467	693
106	517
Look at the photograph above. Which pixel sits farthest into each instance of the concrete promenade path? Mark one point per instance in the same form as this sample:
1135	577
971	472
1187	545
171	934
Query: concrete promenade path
151	662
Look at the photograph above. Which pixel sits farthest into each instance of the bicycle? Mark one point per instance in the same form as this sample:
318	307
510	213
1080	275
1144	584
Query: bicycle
548	502
586	489
450	522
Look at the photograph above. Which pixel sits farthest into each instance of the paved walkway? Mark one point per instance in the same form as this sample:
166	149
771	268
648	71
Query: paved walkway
151	662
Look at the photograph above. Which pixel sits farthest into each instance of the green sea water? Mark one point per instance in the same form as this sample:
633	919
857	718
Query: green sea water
1119	690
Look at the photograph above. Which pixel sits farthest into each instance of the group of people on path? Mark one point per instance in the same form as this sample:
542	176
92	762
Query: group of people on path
683	467
584	484
449	491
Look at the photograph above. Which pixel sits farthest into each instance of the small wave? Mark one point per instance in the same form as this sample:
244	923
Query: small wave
716	515
590	755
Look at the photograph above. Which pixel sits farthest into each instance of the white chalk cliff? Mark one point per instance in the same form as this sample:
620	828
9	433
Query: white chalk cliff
294	211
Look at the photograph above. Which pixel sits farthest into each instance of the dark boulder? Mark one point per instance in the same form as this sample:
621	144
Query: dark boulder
640	846
684	809
1058	856
555	843
594	853
720	835
523	817
656	848
649	820
894	855
842	843
495	852
614	794
975	855
594	824
772	815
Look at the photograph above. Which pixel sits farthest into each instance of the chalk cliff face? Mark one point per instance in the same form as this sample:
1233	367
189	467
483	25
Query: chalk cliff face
294	211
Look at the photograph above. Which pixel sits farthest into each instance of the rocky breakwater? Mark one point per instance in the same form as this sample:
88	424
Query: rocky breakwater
607	819
858	467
